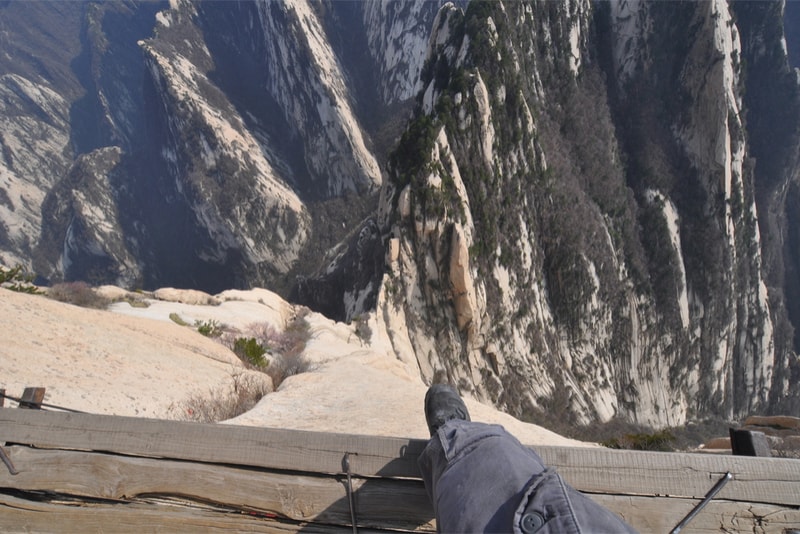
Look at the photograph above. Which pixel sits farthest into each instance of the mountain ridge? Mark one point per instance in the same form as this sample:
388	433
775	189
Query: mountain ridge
588	215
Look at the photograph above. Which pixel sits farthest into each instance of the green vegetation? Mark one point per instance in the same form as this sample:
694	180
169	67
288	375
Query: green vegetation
661	440
137	303
621	434
665	281
250	351
289	347
412	155
285	349
16	279
210	328
476	28
177	319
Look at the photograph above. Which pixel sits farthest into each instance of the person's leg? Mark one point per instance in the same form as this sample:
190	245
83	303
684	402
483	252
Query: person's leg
476	476
480	478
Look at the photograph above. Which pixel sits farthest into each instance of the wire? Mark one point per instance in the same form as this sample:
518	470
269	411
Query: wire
21	402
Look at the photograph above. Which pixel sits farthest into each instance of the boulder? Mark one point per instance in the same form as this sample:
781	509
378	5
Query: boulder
774	421
112	292
186	296
461	280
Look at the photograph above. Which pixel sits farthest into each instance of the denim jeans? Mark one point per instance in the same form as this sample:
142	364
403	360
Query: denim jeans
481	479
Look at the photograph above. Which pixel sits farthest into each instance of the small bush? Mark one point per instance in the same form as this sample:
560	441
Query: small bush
177	319
224	403
250	351
657	441
284	348
287	365
293	339
263	333
209	328
79	294
17	280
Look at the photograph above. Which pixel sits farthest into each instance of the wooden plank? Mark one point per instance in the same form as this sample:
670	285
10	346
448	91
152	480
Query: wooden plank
762	480
384	503
225	444
32	398
22	515
381	504
765	480
659	514
647	514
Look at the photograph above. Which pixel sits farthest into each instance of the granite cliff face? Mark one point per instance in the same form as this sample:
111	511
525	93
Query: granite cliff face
574	224
575	210
228	120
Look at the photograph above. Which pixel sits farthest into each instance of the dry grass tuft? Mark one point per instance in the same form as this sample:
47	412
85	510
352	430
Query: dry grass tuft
79	294
224	403
287	365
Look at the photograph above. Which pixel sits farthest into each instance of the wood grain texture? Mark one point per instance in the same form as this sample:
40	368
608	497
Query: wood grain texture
401	504
766	480
32	398
660	514
225	444
298	475
758	480
21	515
133	489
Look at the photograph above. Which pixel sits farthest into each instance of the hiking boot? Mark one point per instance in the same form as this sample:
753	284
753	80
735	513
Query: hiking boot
443	403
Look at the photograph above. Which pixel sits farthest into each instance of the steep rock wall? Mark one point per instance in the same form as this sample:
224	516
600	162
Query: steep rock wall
314	98
552	265
218	166
772	101
81	219
397	34
34	136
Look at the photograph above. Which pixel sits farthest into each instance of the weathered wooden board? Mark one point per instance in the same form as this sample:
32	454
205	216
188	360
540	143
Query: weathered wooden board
21	515
660	514
380	503
384	503
762	480
765	480
224	444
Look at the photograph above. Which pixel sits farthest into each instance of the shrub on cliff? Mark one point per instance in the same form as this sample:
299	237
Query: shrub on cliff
285	349
289	347
223	403
661	440
210	328
287	365
79	294
250	351
16	279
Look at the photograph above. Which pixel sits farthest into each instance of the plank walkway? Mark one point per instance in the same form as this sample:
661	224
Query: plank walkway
81	472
